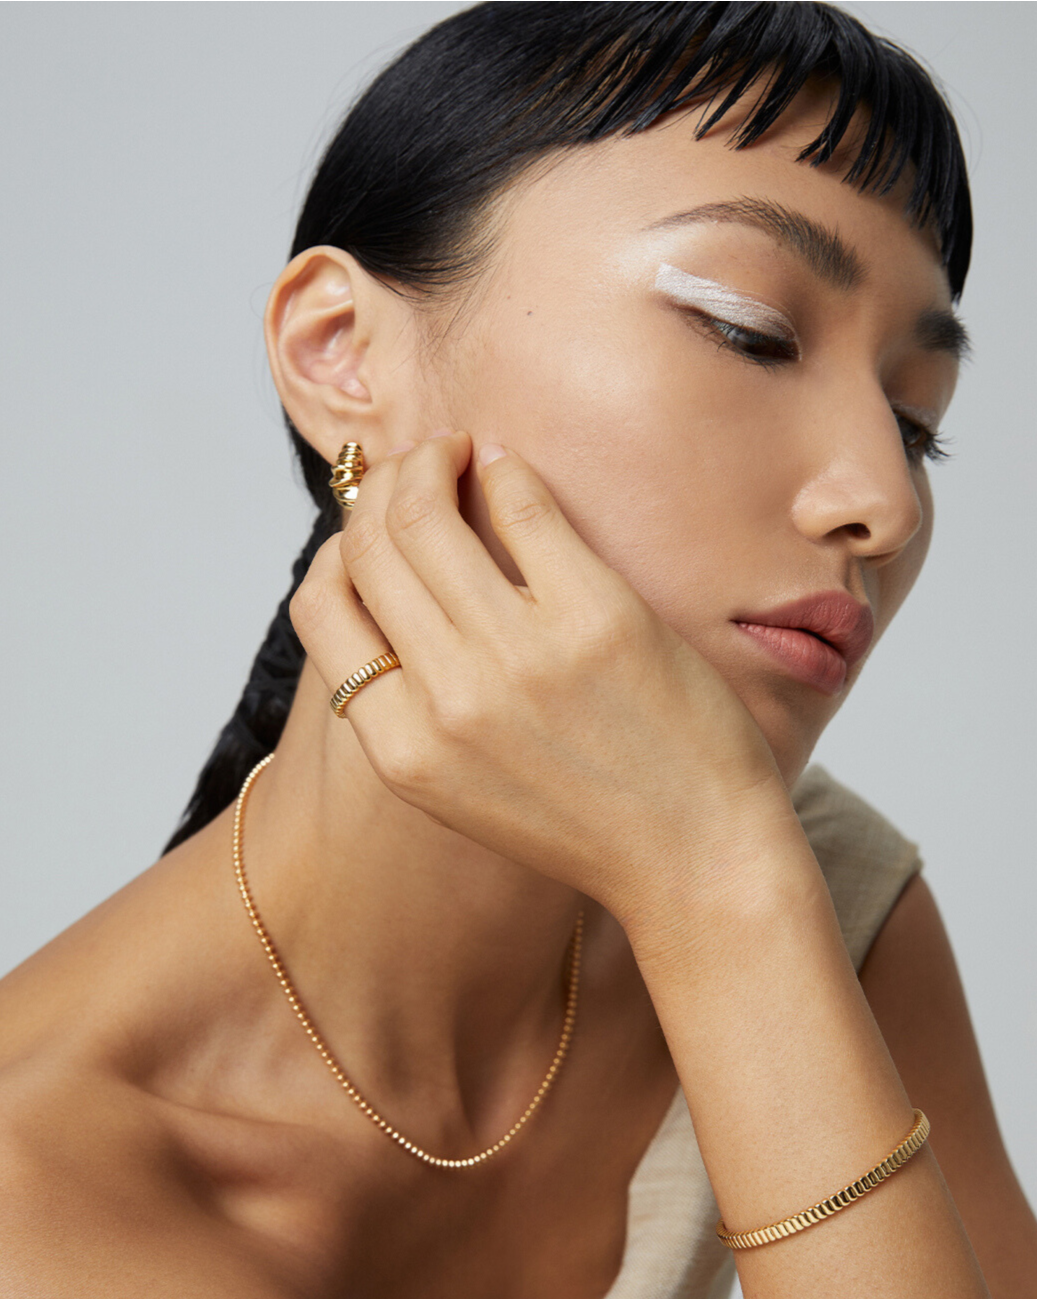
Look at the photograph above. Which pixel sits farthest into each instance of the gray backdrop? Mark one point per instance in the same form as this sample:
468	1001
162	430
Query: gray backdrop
153	160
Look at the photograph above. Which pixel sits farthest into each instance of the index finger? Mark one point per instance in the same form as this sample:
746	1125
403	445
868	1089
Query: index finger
552	557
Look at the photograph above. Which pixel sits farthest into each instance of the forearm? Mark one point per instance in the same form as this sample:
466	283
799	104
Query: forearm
790	1086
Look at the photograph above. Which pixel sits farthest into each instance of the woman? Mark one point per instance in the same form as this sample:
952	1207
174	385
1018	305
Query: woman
642	318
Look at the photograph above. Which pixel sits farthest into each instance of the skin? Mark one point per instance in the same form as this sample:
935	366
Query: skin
578	722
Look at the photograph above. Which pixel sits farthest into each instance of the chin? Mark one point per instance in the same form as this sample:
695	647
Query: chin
792	724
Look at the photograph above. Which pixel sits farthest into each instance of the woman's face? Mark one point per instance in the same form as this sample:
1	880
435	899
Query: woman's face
722	468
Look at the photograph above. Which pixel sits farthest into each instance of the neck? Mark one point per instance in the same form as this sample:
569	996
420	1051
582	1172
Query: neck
431	964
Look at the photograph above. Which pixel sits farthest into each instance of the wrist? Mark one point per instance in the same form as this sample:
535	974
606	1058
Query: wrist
752	868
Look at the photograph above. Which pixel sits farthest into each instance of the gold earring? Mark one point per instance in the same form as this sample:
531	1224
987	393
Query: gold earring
345	477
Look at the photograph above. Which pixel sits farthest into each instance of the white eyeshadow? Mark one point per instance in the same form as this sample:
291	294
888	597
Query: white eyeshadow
724	303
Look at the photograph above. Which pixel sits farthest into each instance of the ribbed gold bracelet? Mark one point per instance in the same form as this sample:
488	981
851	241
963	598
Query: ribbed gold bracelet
896	1158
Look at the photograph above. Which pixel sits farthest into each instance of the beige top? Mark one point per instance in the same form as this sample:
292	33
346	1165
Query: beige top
672	1251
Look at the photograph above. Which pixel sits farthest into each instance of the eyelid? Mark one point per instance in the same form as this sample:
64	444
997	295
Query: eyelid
724	303
927	418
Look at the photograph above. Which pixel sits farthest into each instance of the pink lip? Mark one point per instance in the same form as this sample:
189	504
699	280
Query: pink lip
846	627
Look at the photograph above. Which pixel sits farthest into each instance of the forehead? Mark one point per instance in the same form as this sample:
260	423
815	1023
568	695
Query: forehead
585	202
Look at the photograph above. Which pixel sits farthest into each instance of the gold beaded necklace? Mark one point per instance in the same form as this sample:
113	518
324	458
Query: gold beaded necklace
568	1024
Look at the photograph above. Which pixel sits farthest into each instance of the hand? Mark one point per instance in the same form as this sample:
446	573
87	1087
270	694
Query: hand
561	724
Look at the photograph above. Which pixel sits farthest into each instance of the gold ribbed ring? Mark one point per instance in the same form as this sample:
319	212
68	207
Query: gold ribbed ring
896	1158
359	679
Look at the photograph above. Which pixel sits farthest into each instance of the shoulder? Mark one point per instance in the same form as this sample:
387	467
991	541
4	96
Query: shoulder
97	1199
865	859
58	1116
66	1181
100	1195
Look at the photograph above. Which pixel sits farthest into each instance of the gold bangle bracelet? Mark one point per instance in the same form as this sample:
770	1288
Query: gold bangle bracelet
896	1158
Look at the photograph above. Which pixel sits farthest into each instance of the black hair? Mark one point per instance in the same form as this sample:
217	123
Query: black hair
406	183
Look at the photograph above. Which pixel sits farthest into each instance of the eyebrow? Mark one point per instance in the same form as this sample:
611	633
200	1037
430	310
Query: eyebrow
827	255
941	331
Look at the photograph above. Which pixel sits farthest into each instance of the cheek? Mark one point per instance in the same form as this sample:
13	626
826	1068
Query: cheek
660	451
675	464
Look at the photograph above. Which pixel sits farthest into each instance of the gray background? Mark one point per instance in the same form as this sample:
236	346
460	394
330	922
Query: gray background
153	160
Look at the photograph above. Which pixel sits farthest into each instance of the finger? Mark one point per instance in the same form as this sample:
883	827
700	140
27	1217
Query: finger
428	530
337	632
554	560
398	600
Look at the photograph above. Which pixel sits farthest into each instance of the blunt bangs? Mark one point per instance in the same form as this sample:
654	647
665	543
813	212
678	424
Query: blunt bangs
488	90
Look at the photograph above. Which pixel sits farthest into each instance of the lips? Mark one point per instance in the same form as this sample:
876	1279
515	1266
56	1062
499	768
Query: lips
818	638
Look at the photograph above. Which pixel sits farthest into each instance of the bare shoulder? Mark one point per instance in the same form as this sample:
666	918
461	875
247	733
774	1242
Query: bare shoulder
97	1200
98	1193
911	980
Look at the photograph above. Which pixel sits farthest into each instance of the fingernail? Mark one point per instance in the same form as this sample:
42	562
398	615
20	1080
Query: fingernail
404	446
489	452
441	433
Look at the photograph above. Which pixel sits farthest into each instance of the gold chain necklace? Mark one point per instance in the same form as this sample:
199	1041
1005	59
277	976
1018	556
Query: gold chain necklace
324	1050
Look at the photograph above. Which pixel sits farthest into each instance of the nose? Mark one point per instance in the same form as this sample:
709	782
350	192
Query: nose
859	485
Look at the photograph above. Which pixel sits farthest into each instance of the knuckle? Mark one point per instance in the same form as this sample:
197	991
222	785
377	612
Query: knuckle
309	606
605	628
358	539
400	764
456	715
521	515
411	508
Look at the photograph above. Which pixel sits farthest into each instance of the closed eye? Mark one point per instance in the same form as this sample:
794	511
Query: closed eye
759	348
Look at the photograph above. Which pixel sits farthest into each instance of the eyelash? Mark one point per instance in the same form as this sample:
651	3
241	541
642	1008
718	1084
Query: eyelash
927	443
726	334
931	444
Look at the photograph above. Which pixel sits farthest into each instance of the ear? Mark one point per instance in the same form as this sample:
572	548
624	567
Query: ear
330	328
